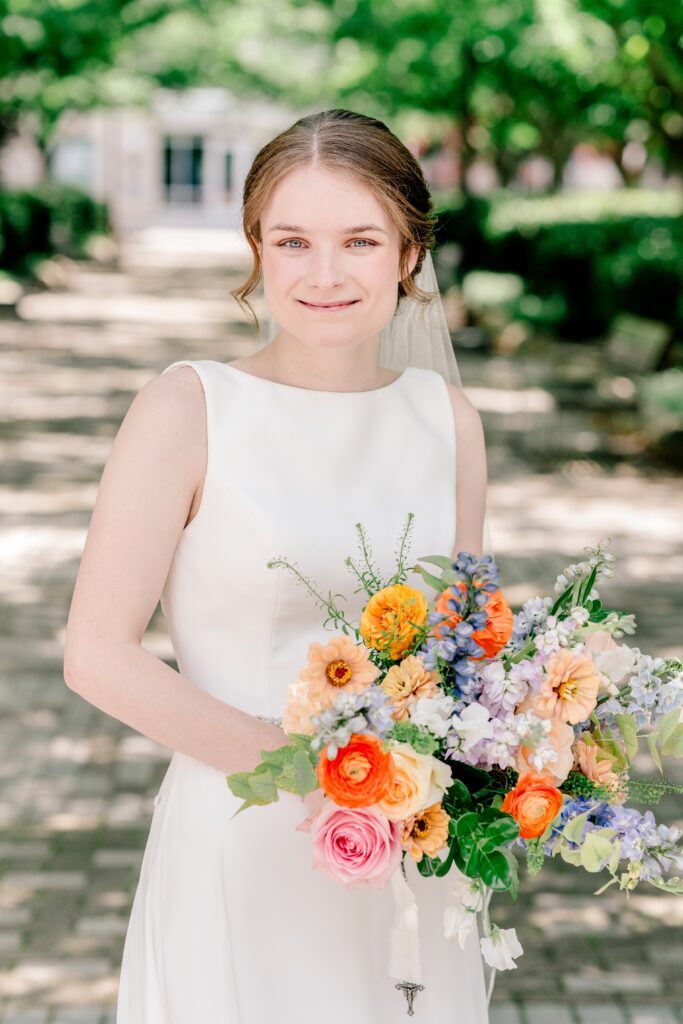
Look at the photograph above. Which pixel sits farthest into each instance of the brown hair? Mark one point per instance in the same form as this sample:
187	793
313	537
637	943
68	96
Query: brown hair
361	147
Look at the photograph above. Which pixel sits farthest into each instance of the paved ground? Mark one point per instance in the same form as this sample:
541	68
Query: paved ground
76	787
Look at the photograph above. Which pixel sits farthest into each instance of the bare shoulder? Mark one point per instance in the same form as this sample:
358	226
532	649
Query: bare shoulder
468	424
146	491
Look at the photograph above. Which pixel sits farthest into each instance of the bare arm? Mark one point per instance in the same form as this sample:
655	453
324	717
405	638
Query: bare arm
156	464
471	475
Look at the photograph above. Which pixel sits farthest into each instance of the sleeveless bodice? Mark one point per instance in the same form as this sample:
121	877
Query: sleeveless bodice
229	910
290	471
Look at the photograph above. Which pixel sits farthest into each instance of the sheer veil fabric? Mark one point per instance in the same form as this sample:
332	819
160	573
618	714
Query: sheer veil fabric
417	335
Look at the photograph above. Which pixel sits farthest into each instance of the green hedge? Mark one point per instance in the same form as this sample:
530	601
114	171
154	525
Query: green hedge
586	256
46	220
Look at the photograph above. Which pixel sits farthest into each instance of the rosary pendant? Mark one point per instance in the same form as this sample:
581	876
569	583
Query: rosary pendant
409	989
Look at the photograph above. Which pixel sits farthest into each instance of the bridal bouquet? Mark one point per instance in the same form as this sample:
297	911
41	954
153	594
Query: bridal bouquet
468	738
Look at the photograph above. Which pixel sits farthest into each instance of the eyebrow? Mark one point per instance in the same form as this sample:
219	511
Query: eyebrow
344	231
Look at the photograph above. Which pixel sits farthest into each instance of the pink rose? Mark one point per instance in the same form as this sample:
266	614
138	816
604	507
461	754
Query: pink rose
355	845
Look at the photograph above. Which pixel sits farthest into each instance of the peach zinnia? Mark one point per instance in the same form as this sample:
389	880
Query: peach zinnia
534	803
392	619
426	832
570	687
499	620
405	683
359	775
338	665
302	704
597	765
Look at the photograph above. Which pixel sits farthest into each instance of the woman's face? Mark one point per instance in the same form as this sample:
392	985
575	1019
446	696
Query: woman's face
326	241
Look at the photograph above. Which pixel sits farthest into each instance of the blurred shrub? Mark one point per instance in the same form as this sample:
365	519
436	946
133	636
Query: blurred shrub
662	397
49	219
585	257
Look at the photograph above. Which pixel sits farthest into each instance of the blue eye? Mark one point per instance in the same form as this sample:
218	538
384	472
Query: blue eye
285	244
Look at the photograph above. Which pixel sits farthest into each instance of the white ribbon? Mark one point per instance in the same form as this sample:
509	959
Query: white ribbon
404	940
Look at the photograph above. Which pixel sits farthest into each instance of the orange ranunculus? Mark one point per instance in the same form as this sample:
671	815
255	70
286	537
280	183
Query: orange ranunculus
499	620
392	618
534	802
359	775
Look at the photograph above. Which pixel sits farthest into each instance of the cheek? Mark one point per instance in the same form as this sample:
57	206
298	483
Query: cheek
277	275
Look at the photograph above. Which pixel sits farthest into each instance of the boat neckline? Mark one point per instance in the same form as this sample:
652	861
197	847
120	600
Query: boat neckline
315	391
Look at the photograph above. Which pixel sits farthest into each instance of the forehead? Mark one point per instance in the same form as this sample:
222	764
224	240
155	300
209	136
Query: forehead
323	200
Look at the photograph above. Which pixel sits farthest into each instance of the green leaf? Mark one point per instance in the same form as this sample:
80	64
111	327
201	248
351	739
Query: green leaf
629	732
472	867
459	795
674	885
305	777
263	787
652	747
238	783
434	581
668	724
505	830
444	866
466	824
495	870
595	850
442	561
673	744
278	757
426	866
574	828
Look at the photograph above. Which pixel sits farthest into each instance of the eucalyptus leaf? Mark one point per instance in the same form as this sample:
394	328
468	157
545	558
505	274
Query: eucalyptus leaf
629	732
668	724
652	747
595	850
575	827
673	744
434	581
442	561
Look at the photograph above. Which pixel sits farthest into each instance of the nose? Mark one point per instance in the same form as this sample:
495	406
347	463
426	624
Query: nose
325	270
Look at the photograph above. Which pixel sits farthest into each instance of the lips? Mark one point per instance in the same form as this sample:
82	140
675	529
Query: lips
329	305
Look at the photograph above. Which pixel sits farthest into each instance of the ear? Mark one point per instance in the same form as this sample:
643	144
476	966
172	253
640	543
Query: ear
411	259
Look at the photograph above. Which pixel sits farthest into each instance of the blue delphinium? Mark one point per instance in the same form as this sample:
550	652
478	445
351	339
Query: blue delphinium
349	713
456	647
642	840
528	621
654	688
571	809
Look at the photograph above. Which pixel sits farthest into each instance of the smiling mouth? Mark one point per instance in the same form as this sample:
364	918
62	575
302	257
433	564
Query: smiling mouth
329	305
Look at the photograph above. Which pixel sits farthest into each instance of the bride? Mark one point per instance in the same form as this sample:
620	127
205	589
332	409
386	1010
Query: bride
218	467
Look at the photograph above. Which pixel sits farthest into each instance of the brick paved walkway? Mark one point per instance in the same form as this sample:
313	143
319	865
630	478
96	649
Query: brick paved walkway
76	786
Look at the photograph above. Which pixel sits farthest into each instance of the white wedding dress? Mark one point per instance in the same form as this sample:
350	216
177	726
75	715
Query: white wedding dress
230	923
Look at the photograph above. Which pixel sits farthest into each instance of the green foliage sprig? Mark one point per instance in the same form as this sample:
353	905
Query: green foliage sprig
291	767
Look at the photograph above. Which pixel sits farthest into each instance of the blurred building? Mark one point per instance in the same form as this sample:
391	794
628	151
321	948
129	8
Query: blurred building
180	162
